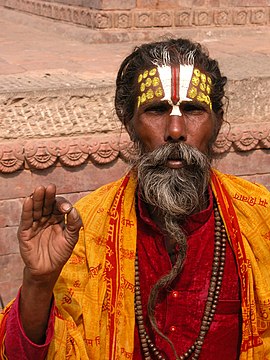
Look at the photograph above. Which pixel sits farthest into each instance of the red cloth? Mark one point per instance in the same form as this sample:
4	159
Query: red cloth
18	346
181	308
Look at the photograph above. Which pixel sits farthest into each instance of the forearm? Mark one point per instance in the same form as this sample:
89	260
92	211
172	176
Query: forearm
17	345
35	306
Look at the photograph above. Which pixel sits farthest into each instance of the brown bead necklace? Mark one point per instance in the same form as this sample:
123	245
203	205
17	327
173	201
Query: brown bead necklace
149	349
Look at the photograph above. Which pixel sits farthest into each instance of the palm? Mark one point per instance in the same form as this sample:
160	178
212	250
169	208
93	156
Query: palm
46	250
45	241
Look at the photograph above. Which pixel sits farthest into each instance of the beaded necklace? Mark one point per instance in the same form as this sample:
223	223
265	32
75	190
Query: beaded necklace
150	351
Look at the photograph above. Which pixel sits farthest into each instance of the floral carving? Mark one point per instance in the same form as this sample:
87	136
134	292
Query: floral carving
222	144
222	17
128	151
73	153
103	153
140	18
247	142
258	16
123	20
11	158
183	18
240	17
40	156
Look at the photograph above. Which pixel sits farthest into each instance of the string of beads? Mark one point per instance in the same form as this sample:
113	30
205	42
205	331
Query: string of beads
150	351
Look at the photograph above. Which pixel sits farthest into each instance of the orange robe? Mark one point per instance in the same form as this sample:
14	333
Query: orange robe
95	293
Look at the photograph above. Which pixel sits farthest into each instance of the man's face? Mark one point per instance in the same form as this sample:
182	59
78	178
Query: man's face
162	116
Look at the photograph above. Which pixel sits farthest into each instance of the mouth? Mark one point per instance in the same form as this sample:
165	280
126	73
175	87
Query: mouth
174	163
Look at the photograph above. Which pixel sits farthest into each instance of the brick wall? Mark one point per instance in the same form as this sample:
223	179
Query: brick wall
81	169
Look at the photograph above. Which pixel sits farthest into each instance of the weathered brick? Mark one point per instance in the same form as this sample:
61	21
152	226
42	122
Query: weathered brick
11	267
8	241
9	289
10	210
67	180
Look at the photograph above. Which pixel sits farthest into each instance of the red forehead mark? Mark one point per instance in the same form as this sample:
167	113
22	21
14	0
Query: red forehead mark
175	84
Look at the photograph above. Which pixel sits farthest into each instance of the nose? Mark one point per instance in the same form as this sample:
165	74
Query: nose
176	129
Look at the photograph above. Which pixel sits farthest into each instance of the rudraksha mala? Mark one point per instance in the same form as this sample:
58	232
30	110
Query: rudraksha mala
150	351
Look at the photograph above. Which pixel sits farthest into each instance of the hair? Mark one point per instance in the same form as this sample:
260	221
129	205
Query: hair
172	51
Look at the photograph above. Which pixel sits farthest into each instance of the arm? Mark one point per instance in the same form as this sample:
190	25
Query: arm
46	242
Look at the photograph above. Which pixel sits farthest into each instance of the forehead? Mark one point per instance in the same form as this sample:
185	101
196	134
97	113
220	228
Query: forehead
175	84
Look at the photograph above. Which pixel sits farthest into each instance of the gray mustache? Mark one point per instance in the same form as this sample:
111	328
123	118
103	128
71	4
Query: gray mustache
175	151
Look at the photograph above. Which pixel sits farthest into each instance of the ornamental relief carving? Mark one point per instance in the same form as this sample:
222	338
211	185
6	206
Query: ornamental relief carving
72	152
11	158
140	18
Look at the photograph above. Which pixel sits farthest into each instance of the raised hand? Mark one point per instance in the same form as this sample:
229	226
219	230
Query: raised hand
48	231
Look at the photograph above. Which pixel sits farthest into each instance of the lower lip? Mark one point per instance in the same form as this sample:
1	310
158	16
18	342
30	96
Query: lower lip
174	164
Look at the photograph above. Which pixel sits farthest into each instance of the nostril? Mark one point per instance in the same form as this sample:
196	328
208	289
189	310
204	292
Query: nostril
171	138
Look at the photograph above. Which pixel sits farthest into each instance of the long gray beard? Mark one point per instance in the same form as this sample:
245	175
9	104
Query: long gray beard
175	193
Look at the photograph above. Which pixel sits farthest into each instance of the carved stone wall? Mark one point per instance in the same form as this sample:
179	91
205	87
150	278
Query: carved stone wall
148	14
70	136
79	165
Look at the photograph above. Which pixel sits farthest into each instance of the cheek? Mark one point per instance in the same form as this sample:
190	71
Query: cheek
150	133
201	134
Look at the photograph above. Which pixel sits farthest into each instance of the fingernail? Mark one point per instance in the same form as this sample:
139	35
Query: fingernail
66	207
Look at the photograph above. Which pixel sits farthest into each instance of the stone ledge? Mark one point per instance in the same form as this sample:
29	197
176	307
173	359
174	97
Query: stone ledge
143	19
41	154
39	107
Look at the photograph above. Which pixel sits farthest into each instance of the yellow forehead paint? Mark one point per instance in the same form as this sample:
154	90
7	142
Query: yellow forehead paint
174	84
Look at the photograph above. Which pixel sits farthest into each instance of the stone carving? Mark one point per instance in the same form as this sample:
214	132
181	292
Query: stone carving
143	19
203	17
140	18
258	16
51	116
11	158
123	20
162	19
103	152
103	20
40	155
72	152
183	18
222	17
240	17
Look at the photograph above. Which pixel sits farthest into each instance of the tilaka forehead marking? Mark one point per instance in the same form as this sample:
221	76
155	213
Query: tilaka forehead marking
174	84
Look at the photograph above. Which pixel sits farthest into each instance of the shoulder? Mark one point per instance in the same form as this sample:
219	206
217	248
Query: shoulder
104	197
235	184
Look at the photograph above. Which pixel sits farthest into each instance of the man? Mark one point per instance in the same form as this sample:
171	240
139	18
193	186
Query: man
167	262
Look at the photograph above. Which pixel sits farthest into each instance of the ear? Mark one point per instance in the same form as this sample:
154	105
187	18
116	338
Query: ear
130	130
219	121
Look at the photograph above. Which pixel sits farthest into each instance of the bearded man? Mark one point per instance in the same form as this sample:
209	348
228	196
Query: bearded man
167	262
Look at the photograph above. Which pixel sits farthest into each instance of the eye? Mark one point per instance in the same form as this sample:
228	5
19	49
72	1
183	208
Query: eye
193	108
156	108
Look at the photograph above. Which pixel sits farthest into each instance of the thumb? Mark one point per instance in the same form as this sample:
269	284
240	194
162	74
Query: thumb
73	225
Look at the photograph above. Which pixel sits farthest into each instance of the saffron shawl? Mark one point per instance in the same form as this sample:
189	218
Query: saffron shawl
94	317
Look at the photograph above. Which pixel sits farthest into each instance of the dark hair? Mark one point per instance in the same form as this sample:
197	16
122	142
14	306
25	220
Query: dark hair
142	58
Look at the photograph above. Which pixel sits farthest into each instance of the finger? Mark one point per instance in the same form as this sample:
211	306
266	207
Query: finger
27	214
73	225
49	200
62	206
38	202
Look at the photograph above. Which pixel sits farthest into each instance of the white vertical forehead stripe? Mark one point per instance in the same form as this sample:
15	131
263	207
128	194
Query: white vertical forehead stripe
165	75
186	72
